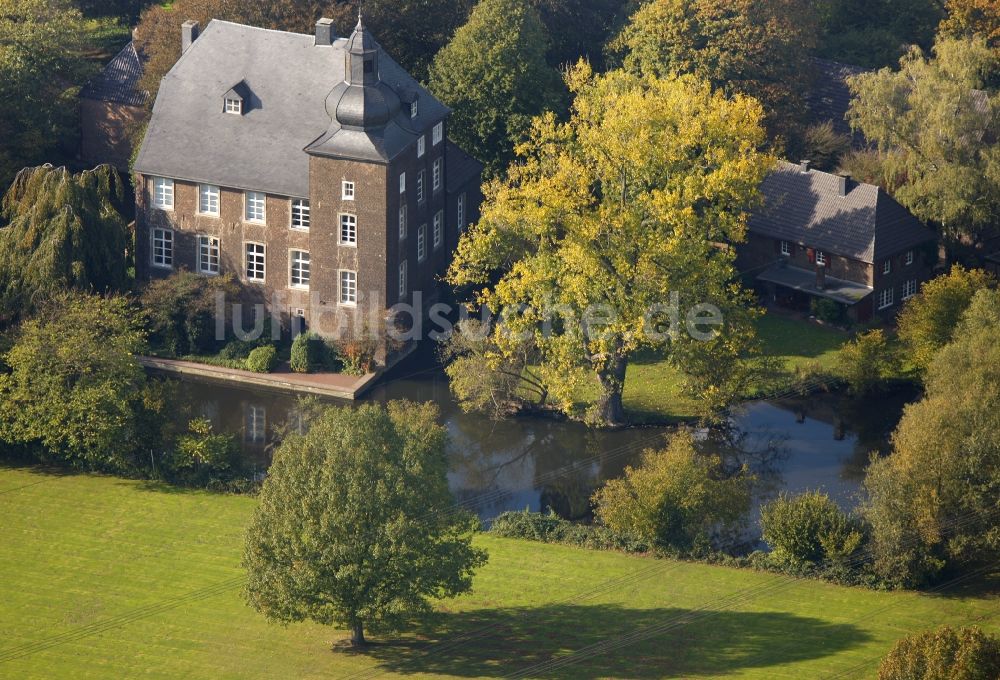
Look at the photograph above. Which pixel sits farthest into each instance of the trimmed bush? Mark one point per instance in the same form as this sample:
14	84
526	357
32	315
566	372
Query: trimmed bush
943	654
237	349
308	353
827	310
262	359
808	528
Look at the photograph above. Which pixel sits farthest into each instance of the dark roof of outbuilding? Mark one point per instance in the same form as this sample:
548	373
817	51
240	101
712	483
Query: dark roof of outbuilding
461	168
289	79
806	208
829	97
118	82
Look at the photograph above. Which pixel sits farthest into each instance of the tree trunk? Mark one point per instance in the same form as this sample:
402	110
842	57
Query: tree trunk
610	410
358	634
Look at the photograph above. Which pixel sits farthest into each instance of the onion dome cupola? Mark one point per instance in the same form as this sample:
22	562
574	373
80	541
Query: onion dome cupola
362	101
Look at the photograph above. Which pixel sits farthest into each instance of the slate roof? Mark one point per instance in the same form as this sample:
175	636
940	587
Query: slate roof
289	79
119	81
806	208
461	168
829	97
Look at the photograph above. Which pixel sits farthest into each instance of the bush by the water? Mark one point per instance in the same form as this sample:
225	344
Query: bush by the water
867	361
180	311
809	528
549	528
262	359
944	654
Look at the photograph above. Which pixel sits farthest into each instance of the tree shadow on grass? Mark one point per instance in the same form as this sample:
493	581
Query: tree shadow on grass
499	642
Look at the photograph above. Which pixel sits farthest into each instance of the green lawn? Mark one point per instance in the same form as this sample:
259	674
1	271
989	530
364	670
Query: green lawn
105	578
653	387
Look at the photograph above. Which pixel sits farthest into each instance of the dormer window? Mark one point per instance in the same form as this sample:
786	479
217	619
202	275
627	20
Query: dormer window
237	100
234	106
413	109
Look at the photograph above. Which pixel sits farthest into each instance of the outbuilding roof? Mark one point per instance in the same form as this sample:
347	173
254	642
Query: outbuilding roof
118	82
829	97
807	208
288	80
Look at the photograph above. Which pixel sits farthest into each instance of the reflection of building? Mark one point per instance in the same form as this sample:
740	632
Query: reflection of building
826	236
255	431
110	106
313	167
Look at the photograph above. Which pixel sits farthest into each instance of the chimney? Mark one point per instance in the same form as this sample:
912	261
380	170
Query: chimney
325	34
189	33
804	166
843	184
820	276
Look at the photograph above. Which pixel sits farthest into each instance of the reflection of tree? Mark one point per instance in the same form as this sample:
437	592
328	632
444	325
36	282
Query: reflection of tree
872	419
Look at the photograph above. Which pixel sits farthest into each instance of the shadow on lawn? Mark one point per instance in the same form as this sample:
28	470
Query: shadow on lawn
499	642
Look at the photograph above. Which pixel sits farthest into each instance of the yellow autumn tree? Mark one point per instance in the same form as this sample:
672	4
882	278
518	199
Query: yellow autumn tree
611	229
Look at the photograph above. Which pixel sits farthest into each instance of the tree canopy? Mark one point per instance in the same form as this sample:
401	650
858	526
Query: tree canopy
494	76
356	525
973	19
934	124
606	216
61	231
875	33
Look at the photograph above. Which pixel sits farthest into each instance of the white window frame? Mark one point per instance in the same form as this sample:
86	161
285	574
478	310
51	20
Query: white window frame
438	233
402	221
402	280
421	189
402	182
909	257
909	289
820	257
347	294
347	190
436	175
422	243
163	193
256	426
295	260
234	106
348	236
209	199
300	214
206	245
421	146
166	239
887	266
885	298
438	134
247	258
786	248
252	197
414	109
460	212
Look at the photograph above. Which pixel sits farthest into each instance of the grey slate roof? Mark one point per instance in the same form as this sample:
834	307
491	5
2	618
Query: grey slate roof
289	78
119	81
806	208
461	168
829	97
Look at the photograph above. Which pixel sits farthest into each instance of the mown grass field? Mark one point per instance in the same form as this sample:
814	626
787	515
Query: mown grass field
105	578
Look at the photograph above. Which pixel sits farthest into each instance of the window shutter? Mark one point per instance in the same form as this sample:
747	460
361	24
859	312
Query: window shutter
811	254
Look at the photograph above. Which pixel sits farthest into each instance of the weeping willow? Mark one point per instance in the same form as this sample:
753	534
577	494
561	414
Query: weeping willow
61	231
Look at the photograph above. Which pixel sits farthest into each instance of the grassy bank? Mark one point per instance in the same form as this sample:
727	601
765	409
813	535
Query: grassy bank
110	578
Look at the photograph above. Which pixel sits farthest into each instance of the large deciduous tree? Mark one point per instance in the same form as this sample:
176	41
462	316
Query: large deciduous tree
759	48
935	500
936	130
61	231
875	33
604	218
356	525
494	76
973	19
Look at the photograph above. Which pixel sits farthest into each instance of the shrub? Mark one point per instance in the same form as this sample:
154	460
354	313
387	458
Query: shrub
808	528
308	353
828	311
866	361
237	349
943	654
180	311
550	528
262	359
203	451
357	355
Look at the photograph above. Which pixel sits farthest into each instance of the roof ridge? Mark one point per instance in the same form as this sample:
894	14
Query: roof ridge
259	28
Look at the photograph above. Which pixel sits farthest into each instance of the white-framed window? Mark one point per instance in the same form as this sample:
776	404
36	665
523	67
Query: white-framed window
234	106
298	269
402	280
254	261
163	248
460	212
348	287
300	214
255	202
436	174
909	257
421	242
402	221
347	190
256	428
208	199
909	289
885	298
348	229
887	266
421	146
420	187
438	229
786	248
402	182
820	257
208	254
438	133
163	193
414	109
